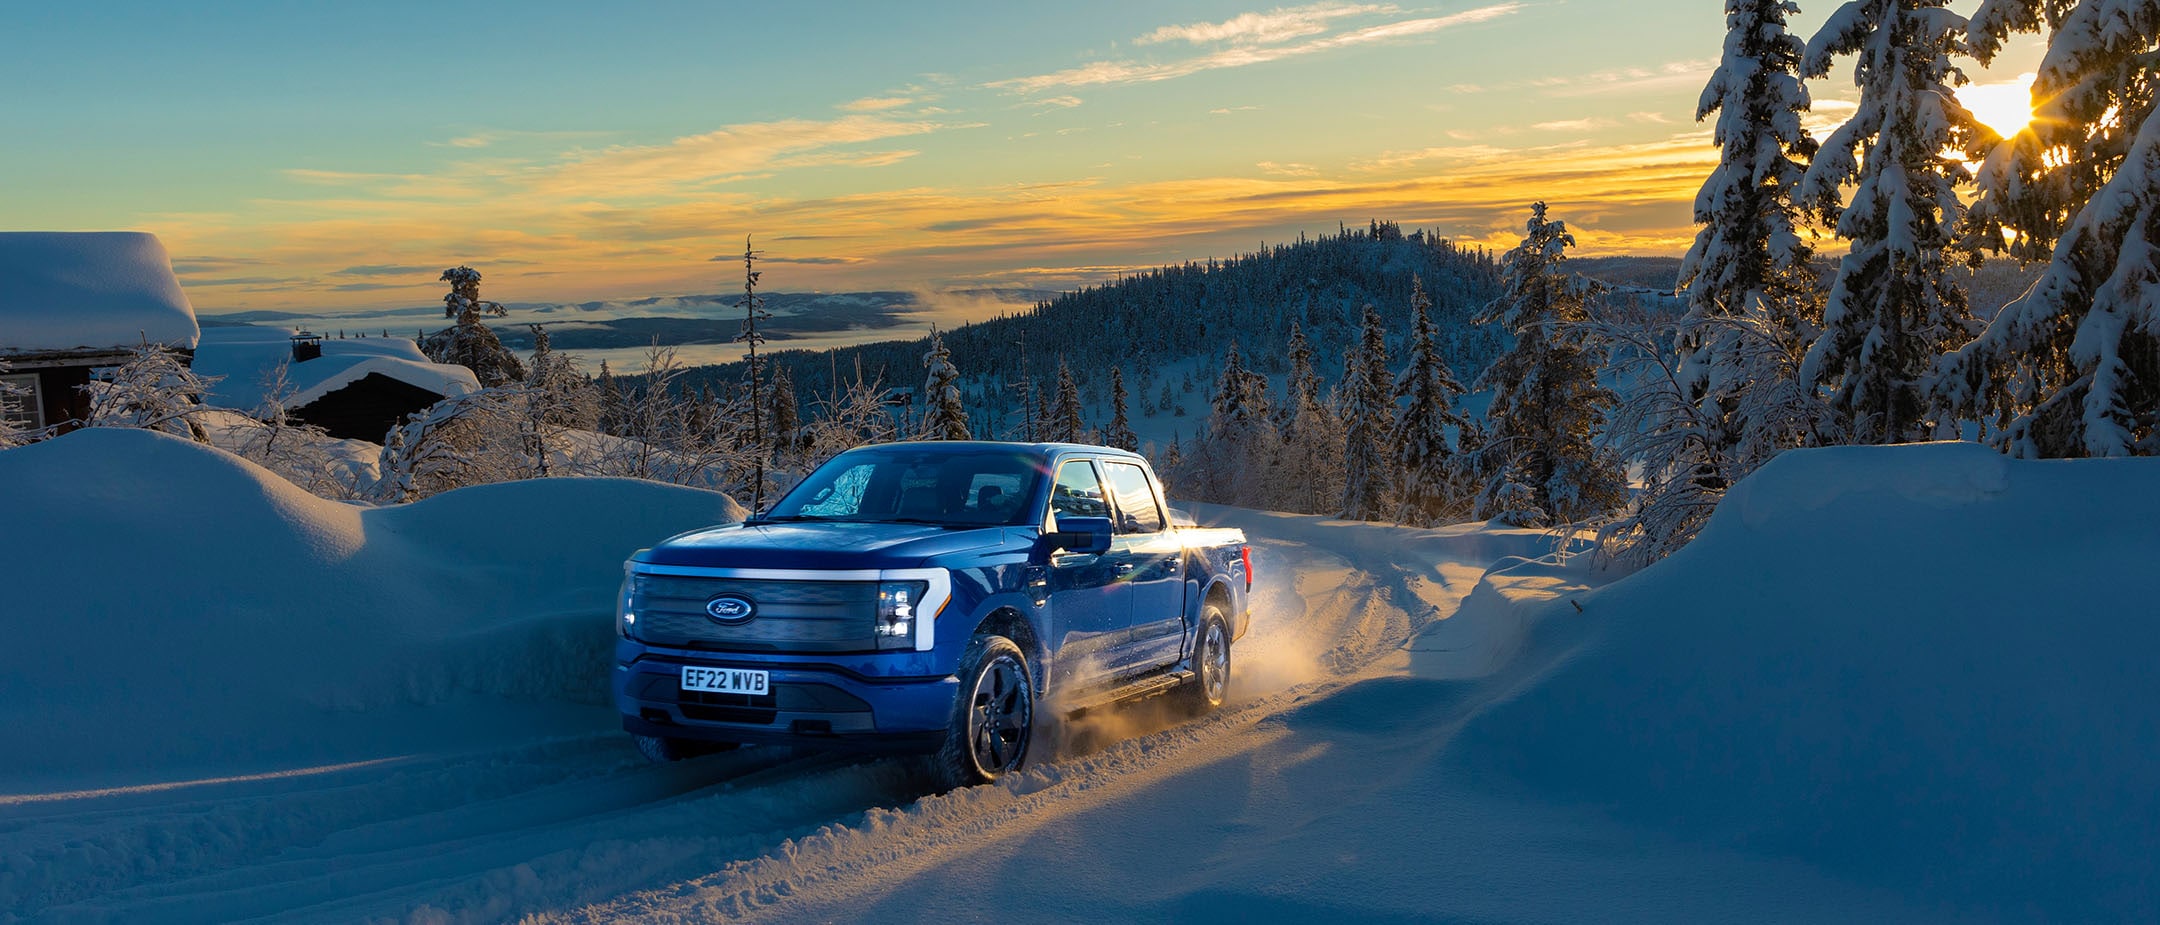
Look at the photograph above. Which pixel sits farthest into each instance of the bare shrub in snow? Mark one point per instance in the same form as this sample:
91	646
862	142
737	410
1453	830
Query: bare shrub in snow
153	390
12	399
270	437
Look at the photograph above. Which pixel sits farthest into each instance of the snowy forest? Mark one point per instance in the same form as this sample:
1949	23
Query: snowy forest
1381	375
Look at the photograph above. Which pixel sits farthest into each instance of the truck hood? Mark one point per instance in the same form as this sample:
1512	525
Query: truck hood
820	545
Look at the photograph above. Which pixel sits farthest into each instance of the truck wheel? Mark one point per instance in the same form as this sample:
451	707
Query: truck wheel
993	717
1210	663
661	750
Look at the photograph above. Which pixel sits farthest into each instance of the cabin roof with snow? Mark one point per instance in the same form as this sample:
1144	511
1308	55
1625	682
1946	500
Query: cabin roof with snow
65	292
243	356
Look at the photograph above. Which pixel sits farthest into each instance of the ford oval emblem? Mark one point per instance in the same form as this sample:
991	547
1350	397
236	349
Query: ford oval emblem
730	608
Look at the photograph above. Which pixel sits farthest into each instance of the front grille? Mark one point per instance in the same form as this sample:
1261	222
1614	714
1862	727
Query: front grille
792	616
727	708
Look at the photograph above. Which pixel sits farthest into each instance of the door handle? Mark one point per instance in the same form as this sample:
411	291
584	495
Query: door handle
1123	568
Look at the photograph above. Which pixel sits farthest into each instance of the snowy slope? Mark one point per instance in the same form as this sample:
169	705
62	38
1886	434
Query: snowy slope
186	611
1924	669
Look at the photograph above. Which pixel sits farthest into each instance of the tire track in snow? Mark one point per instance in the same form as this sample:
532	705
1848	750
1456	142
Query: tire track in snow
1356	614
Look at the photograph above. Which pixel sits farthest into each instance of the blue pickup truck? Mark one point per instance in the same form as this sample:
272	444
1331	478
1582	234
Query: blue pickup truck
929	597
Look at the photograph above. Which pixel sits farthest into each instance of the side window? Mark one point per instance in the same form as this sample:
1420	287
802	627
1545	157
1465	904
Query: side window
844	498
19	401
1077	493
1137	510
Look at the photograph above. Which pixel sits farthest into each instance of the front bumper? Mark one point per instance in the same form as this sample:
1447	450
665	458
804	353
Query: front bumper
871	702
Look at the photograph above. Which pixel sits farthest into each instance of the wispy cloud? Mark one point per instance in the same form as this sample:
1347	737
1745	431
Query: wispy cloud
1100	73
1573	125
385	269
877	103
727	153
1280	25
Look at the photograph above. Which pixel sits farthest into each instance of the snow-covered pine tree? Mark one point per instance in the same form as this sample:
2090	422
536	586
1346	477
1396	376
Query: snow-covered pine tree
1368	420
946	417
784	418
1064	424
1304	382
1120	433
1715	395
1425	467
1894	307
1240	401
1748	271
2072	367
153	390
469	342
1542	465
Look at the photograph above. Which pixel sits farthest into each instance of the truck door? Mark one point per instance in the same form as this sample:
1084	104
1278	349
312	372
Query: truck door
1090	607
1151	559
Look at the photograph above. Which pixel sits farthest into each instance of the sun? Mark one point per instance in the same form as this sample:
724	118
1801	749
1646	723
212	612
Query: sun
2005	106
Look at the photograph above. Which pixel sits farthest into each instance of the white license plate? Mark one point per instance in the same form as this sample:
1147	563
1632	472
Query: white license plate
724	680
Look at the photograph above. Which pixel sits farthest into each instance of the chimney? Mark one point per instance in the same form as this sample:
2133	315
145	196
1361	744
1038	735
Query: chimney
306	346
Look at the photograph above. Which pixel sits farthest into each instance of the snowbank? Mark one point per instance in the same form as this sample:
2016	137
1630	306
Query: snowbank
77	290
240	357
175	607
1924	669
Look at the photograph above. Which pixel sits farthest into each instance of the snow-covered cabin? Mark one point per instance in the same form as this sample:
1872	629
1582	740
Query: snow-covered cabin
355	388
73	302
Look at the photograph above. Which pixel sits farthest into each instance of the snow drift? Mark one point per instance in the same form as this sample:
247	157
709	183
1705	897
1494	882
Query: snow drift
175	607
1923	669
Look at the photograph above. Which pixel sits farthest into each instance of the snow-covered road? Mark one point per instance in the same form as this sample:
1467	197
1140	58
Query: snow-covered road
555	815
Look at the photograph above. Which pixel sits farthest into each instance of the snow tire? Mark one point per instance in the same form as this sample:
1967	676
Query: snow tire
993	716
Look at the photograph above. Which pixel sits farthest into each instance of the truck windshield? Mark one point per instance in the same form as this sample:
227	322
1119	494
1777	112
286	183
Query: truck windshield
912	485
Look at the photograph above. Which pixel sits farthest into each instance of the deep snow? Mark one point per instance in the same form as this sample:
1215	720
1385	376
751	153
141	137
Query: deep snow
62	290
1887	684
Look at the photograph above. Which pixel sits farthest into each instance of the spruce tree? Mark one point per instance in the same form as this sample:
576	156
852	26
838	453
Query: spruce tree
1748	273
1542	467
1368	418
1894	306
1424	461
1120	434
2072	366
1304	379
469	342
785	415
944	417
1065	424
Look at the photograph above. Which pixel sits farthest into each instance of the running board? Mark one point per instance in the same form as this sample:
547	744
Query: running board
1149	686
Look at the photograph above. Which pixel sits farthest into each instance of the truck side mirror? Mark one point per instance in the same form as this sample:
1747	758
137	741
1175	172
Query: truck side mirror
1081	534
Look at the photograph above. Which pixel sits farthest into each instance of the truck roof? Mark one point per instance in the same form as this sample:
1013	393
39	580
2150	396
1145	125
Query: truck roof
1039	449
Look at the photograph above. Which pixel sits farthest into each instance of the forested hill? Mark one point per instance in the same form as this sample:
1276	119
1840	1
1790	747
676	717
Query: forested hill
1179	321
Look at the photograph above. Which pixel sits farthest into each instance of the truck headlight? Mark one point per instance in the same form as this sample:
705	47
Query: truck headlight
627	603
897	613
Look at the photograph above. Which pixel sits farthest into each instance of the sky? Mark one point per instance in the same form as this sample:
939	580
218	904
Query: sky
316	156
